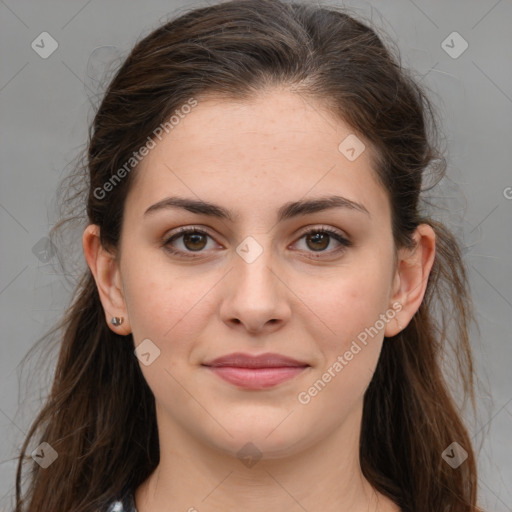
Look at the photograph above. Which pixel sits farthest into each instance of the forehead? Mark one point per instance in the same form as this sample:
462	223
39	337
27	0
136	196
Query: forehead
252	152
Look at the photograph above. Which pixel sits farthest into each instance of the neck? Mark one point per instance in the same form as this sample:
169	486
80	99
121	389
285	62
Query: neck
196	477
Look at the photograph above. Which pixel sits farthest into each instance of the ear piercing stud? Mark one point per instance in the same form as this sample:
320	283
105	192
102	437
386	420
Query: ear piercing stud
117	321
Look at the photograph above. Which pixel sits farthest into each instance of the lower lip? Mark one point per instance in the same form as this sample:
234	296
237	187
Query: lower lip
256	378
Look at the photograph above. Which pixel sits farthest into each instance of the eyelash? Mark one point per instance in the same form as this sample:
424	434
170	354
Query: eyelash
192	230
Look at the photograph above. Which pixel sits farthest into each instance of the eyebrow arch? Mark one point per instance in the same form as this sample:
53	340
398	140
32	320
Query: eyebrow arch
285	212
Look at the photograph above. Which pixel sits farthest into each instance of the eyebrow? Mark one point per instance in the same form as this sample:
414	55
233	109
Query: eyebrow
285	212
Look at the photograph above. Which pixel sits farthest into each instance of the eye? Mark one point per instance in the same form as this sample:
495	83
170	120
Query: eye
195	240
319	239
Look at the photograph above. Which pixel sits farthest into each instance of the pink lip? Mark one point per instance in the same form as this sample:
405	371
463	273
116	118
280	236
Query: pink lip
256	372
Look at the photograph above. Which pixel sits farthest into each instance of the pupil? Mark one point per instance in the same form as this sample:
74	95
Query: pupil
318	236
193	237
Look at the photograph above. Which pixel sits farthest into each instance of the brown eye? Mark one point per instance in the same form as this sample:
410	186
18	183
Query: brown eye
194	241
318	241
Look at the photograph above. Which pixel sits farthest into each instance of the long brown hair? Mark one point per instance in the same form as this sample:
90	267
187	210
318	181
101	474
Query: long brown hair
100	413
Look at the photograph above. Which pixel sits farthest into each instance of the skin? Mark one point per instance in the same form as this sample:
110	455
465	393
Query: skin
299	298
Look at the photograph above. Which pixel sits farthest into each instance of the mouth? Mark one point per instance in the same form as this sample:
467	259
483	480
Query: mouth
256	372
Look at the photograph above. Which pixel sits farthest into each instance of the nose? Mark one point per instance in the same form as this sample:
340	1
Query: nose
256	298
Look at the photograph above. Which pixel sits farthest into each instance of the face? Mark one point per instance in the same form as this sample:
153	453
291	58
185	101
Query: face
261	279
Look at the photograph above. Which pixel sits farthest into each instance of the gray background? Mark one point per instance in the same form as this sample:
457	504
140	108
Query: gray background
46	105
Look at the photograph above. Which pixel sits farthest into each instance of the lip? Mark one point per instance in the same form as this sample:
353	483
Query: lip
268	360
256	371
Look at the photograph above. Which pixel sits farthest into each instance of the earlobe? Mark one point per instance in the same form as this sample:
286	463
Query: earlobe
411	277
105	270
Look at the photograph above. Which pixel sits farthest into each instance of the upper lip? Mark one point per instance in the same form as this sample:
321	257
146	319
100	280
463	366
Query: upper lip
241	360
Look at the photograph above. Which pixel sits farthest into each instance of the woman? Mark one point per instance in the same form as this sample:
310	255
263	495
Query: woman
266	303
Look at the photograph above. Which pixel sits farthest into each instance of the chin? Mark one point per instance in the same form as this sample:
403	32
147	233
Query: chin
262	440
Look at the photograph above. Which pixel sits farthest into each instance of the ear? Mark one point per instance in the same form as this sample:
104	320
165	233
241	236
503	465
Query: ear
411	276
105	269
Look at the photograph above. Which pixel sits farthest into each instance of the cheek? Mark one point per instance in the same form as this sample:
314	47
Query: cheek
349	302
161	311
157	310
349	340
168	308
